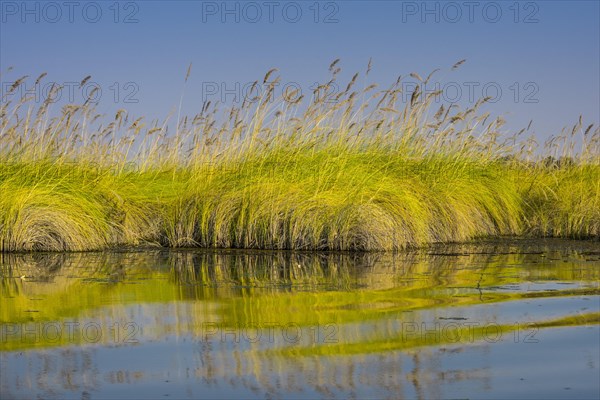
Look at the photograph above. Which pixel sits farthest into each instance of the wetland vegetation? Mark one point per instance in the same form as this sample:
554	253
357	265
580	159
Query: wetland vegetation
357	170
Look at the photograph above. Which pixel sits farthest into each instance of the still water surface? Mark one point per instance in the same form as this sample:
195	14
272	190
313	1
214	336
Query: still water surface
510	319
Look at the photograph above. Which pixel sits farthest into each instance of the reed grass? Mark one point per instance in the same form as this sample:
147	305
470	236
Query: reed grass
356	170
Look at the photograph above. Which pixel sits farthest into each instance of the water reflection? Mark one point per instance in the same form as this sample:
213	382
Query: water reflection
433	323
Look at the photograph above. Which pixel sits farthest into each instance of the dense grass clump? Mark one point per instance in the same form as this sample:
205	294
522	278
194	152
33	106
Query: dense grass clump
352	171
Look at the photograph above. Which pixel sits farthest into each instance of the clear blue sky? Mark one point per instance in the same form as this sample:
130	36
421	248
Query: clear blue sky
544	56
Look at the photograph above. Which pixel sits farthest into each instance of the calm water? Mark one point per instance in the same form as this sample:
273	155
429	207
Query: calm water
510	319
